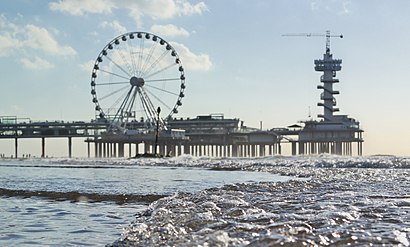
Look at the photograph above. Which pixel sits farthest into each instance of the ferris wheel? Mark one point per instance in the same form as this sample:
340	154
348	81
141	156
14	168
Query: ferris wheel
137	77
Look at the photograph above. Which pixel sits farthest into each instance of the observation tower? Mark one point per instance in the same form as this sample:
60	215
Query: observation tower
328	65
334	134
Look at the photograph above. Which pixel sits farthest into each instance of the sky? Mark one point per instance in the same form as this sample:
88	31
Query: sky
237	61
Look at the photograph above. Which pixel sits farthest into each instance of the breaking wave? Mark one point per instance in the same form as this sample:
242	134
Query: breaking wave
75	196
344	201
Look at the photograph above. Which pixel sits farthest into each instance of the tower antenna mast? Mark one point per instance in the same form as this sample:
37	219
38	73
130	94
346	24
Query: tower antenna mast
329	66
327	34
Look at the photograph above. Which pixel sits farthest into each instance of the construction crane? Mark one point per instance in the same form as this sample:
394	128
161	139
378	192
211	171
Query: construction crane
327	35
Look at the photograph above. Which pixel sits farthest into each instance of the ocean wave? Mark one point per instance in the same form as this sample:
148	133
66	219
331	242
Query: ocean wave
75	196
254	163
340	204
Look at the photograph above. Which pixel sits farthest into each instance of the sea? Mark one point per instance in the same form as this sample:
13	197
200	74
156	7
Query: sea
322	200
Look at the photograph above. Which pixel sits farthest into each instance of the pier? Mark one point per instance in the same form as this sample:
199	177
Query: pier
132	125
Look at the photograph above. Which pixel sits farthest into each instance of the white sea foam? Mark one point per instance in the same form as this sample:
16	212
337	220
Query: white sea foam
344	201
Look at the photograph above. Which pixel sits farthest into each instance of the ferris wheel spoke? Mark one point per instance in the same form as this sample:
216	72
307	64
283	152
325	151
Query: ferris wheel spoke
112	93
112	83
126	63
155	63
111	73
124	103
147	105
163	90
131	49
131	102
118	66
159	100
140	58
149	57
119	99
163	80
160	70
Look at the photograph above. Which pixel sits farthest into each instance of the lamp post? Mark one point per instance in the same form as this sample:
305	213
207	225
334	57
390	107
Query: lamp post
157	133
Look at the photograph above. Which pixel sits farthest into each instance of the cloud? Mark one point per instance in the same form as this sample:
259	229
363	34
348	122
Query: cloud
346	8
87	66
169	30
80	7
158	9
36	64
18	40
115	25
40	39
8	45
191	61
338	7
8	41
189	9
28	38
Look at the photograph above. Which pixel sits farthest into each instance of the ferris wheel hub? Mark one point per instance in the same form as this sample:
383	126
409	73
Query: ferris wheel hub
137	81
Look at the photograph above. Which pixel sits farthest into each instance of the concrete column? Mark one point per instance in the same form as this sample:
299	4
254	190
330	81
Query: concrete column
146	147
95	149
88	149
253	150
187	149
201	147
338	152
360	148
99	154
301	148
234	150
261	150
171	149
294	148
121	149
162	149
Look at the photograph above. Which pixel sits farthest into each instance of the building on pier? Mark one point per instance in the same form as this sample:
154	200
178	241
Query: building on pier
214	135
205	135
